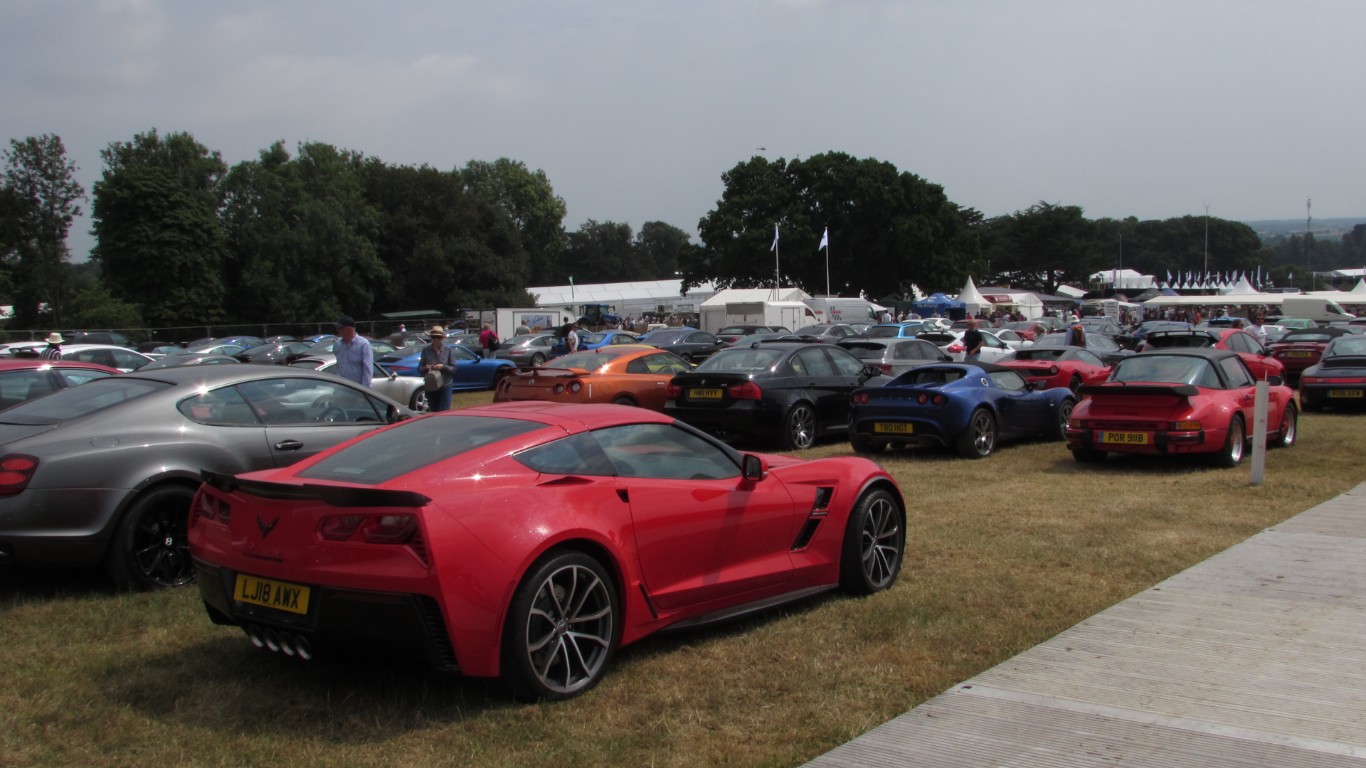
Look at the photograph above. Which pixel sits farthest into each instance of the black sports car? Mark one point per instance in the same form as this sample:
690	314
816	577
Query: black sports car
1338	379
789	391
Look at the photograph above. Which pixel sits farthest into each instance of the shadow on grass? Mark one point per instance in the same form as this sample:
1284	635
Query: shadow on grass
226	684
24	584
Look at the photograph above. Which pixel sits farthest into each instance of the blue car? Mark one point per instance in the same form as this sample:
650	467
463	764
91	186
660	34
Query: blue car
472	371
607	339
968	407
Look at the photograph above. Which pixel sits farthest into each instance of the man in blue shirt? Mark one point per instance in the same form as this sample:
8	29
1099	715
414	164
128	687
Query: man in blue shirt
355	359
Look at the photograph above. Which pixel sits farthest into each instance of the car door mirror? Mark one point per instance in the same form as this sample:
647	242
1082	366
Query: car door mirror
753	468
394	414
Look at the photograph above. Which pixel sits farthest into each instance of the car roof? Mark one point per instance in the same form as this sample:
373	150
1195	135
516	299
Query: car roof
1212	353
28	363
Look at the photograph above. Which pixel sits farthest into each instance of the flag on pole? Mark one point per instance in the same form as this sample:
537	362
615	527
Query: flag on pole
825	240
774	247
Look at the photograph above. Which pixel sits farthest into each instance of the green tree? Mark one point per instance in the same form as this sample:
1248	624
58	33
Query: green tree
161	242
888	230
44	198
600	252
1043	247
537	214
92	306
301	237
446	248
660	249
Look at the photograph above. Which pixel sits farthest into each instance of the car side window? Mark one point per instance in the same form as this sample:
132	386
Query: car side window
812	362
21	385
1240	342
664	451
1089	358
662	363
1235	371
845	364
302	401
74	376
574	455
222	407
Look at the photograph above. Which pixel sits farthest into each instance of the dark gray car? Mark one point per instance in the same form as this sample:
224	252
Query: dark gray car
105	472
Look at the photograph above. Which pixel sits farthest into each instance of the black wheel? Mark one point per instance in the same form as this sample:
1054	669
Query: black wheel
150	549
1088	456
562	628
537	359
1234	445
874	544
623	400
1064	415
799	428
1290	428
866	444
418	402
498	376
979	439
1075	383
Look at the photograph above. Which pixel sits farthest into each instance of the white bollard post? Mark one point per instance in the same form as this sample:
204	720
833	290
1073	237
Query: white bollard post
1259	408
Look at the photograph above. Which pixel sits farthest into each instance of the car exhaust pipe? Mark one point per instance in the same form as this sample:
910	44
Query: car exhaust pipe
280	641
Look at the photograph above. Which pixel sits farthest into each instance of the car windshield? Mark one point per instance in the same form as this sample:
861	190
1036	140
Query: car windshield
587	361
1165	369
73	403
742	359
390	453
1349	346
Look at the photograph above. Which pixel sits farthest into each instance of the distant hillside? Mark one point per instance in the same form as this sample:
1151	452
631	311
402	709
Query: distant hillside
1270	229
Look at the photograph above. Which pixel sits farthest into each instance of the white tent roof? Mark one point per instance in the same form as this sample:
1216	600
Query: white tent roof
744	295
1123	279
652	291
1067	290
1243	288
973	299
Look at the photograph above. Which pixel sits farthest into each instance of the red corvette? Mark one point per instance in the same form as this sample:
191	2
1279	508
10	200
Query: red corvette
528	541
1186	401
1049	367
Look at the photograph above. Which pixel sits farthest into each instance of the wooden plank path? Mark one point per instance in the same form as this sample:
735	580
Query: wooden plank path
1255	657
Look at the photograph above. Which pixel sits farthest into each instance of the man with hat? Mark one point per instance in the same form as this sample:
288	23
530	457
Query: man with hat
54	347
438	358
355	358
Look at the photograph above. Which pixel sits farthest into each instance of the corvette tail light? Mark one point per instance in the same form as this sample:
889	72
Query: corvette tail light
746	391
339	527
16	470
371	529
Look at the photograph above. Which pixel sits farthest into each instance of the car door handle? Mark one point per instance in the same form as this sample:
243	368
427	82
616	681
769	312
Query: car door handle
289	445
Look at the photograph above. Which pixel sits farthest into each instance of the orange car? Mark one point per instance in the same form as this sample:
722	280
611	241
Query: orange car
629	374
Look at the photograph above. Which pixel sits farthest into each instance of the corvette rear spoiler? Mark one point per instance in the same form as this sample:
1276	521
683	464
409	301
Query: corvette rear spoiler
1170	390
335	495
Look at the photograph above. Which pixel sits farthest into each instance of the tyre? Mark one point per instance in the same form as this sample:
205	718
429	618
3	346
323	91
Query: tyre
418	402
799	428
1075	383
150	548
1234	445
874	544
979	439
1290	428
537	359
1064	415
623	400
562	628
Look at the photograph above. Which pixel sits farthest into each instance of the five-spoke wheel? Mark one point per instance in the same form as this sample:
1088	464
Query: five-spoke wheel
562	628
874	544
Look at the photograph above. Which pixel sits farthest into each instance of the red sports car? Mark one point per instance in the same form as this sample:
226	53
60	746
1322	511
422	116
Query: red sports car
1186	401
1258	359
1049	367
1302	347
530	540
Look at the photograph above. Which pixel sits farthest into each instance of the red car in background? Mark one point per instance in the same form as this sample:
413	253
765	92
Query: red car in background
1302	347
1178	402
1048	367
26	378
1029	329
1259	360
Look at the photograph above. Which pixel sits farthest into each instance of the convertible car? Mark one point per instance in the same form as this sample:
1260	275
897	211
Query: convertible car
1179	401
968	407
528	541
1048	367
1338	379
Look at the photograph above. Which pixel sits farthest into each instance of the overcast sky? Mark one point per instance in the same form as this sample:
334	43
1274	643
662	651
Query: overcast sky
634	108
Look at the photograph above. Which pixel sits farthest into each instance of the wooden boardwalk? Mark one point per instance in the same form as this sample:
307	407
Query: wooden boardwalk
1255	657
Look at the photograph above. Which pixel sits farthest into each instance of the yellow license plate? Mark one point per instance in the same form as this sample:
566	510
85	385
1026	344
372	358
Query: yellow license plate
269	593
1299	353
704	394
893	429
1124	438
1347	393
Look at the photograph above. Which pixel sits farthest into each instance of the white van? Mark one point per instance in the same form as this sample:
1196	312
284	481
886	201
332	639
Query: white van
1313	308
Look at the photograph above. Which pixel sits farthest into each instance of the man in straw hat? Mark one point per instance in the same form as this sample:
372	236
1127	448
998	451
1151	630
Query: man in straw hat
54	347
438	358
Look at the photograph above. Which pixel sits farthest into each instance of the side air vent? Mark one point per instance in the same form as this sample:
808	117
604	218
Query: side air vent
443	653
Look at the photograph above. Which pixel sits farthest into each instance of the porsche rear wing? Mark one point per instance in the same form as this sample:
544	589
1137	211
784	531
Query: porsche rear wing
1343	361
1168	390
335	495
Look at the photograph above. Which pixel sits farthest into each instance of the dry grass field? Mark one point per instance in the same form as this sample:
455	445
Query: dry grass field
1003	553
